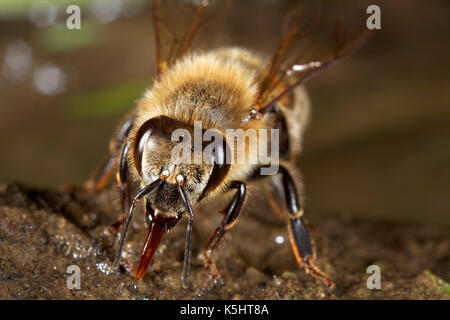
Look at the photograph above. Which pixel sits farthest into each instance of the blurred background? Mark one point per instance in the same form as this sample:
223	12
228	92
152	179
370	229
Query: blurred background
378	145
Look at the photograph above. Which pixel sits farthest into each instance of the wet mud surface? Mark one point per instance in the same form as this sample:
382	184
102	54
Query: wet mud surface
43	232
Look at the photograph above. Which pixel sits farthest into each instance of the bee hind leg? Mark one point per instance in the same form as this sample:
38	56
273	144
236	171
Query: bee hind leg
101	177
119	150
298	232
99	180
231	214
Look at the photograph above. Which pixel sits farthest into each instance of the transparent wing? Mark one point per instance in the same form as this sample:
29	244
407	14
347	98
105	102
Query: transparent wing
181	25
315	34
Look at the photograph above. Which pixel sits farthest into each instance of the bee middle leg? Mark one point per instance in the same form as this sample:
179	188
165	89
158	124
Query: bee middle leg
286	191
102	175
123	179
231	214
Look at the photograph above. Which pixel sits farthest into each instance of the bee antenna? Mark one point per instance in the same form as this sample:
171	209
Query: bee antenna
188	247
146	190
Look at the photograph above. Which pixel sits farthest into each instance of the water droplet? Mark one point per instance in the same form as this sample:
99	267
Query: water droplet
104	267
279	239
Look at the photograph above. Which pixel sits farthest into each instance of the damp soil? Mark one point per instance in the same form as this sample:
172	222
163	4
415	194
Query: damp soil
43	232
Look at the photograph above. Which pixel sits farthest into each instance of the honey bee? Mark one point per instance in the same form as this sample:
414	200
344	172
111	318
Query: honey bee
224	88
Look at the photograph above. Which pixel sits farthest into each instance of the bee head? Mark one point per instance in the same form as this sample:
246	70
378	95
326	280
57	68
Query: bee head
164	149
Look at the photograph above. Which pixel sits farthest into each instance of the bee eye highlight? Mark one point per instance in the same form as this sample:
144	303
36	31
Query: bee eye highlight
164	174
180	179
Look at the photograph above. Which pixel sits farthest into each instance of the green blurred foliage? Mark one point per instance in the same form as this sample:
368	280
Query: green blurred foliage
109	101
17	8
20	8
60	39
440	283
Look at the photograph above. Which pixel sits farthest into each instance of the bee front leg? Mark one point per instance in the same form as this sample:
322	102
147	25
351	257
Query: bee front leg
298	233
231	214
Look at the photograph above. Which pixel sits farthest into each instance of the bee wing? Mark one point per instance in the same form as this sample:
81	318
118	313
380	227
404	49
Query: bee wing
178	24
315	34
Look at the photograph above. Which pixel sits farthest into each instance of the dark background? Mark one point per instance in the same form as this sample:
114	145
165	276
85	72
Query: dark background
377	145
